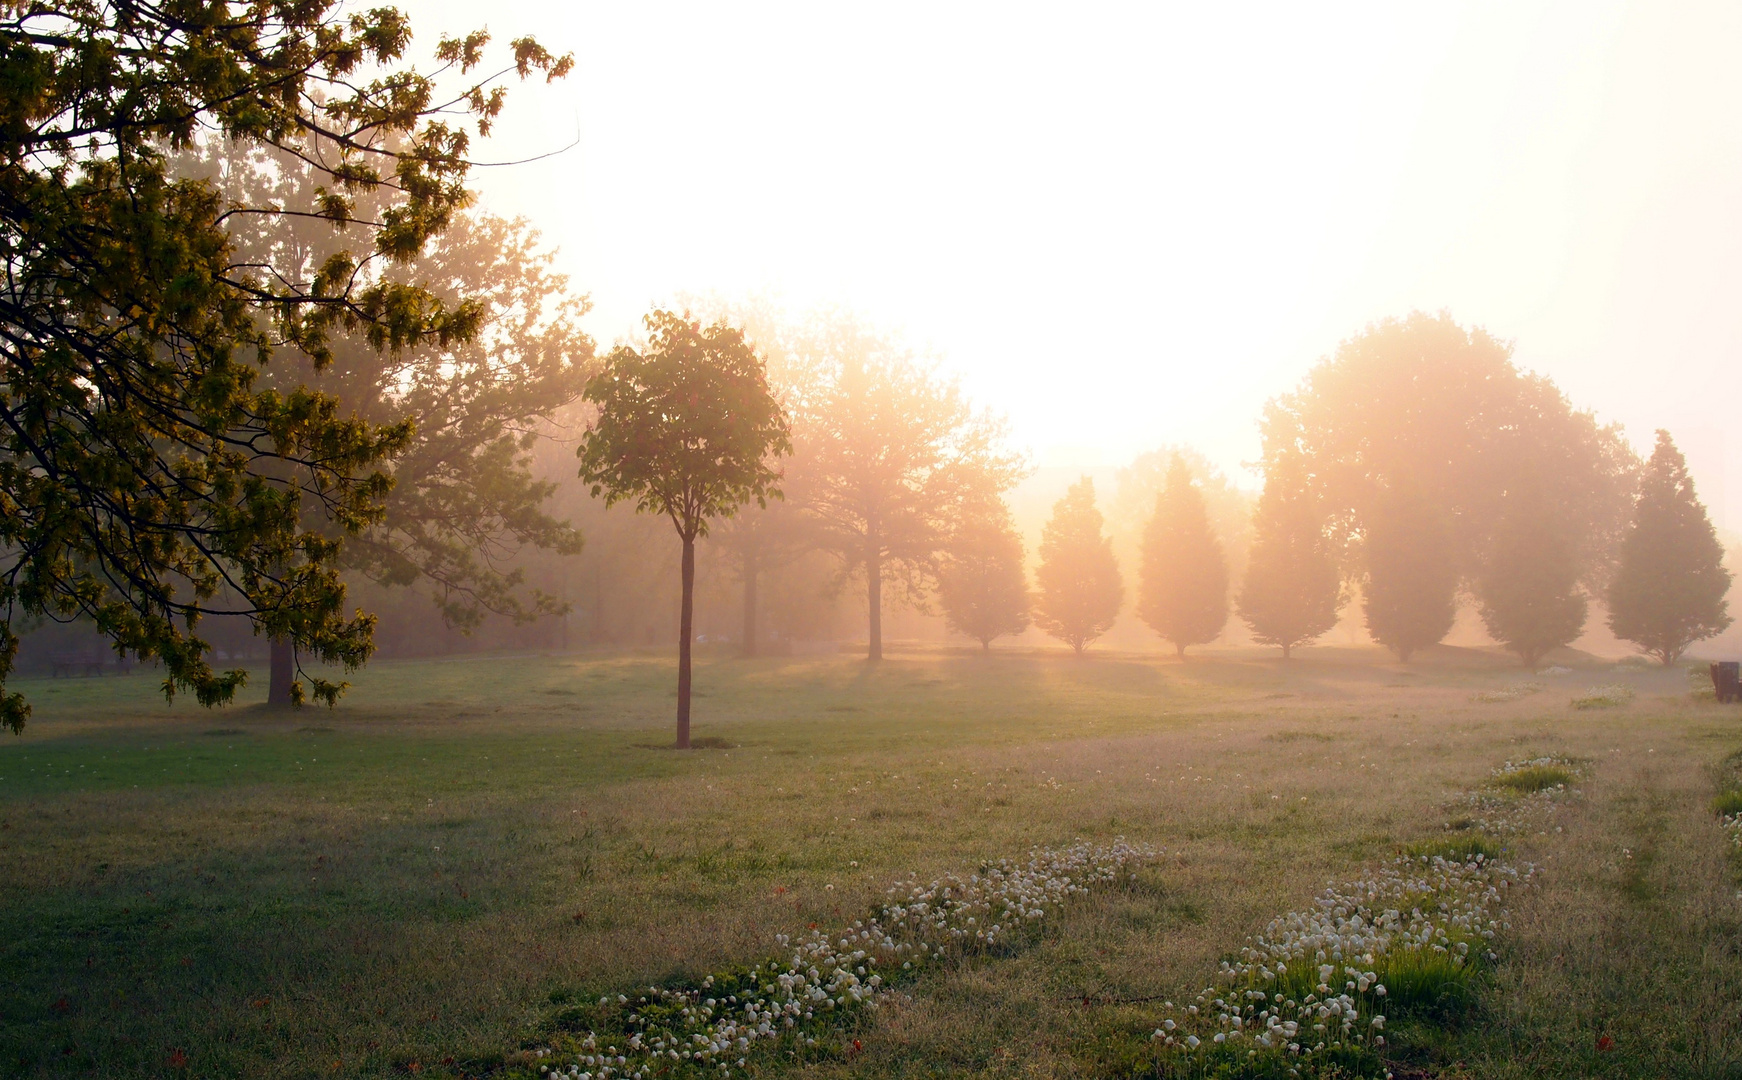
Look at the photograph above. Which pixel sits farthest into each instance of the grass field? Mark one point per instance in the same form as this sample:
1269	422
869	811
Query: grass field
405	884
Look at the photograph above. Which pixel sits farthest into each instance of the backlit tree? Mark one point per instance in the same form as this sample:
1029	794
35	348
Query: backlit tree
1410	588
1529	592
1292	588
1080	589
981	580
687	429
1669	589
1184	591
893	455
143	467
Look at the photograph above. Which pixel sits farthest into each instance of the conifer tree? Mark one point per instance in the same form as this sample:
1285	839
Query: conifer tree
1669	589
981	582
1185	576
1080	587
1529	588
1411	582
1292	589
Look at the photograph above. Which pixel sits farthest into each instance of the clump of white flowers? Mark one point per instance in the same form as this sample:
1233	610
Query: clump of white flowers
711	1028
1316	984
1732	824
1312	992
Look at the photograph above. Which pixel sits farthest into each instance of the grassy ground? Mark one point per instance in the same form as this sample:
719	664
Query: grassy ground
414	876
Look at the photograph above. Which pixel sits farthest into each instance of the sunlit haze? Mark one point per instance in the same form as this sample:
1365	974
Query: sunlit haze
1129	226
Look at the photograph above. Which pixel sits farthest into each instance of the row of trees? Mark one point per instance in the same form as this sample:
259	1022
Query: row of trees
1415	464
257	350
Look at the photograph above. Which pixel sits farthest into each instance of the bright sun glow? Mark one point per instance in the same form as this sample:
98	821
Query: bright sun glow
1129	226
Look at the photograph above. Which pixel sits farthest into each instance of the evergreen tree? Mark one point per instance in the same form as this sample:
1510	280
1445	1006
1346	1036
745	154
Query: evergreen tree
981	582
1529	588
1080	587
1411	583
146	468
1185	577
1292	589
1669	589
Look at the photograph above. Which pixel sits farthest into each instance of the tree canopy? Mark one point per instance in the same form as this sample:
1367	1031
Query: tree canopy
894	454
1425	412
144	469
1670	587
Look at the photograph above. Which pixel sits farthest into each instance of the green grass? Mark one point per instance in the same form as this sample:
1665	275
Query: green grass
1730	802
434	871
1534	778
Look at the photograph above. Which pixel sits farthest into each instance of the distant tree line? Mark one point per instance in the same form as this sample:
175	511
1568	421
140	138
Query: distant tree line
262	360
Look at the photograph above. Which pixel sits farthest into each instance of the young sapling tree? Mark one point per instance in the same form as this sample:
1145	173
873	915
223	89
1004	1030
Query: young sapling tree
688	429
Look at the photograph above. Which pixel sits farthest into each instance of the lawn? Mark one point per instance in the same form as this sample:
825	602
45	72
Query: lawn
413	882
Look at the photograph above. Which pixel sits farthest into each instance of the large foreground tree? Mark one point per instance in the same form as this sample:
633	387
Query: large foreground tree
143	469
1669	590
464	499
687	429
1184	588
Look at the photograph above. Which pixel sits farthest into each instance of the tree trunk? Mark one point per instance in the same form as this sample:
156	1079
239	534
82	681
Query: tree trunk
283	672
1285	649
750	571
874	594
1179	650
686	622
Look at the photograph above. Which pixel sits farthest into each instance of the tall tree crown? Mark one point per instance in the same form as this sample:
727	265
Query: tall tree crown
1080	589
1671	585
1292	588
687	429
1184	595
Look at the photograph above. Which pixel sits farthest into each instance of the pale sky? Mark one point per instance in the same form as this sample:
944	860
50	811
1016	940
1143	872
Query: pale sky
1124	226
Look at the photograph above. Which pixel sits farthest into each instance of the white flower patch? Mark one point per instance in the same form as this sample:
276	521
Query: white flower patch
711	1029
1732	825
1313	986
1313	982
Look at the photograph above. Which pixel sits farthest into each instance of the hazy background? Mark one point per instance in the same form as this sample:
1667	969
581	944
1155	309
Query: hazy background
1130	225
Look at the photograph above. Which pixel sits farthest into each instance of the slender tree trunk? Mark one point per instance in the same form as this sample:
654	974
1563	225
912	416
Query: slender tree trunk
283	672
874	593
1285	650
750	571
985	644
686	620
1179	650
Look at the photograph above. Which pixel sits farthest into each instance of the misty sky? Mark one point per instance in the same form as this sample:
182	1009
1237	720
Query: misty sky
1127	226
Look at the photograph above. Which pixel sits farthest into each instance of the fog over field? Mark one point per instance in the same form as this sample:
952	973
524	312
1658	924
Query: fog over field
1132	224
682	541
